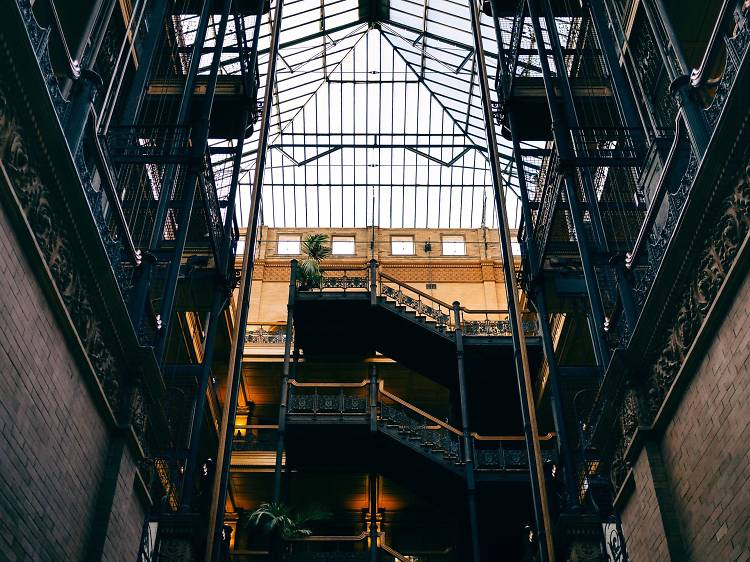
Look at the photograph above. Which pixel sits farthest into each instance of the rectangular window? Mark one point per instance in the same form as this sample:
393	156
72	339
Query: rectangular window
402	245
343	246
288	245
454	246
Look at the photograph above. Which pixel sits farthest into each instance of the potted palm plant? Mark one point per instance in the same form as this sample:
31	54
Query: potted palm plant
314	250
283	523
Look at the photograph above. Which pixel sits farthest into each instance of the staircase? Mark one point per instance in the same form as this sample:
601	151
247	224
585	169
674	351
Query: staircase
347	404
361	307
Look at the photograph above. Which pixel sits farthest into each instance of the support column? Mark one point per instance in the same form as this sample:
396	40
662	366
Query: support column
194	177
468	456
372	481
284	394
676	66
141	287
558	417
373	398
221	298
565	150
523	373
216	516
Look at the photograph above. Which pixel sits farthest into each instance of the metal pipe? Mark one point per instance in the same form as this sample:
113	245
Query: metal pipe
193	178
564	148
471	489
523	373
216	516
284	394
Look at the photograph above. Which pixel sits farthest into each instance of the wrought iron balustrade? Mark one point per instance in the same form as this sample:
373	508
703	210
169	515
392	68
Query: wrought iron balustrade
723	56
417	425
423	304
344	278
494	323
508	453
547	194
211	208
273	333
328	398
663	213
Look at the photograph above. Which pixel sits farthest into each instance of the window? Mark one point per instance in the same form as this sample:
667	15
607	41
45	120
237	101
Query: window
343	246
288	245
402	245
454	246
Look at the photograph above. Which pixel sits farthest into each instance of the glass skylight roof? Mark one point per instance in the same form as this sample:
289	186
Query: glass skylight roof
373	122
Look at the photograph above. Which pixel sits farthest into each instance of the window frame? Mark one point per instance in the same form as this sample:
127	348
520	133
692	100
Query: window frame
347	237
443	242
410	238
279	241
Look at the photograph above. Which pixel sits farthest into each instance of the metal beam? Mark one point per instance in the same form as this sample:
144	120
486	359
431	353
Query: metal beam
216	515
523	372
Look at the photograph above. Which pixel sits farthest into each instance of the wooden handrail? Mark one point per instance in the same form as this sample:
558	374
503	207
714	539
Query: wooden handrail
715	43
547	437
329	384
397	555
257	426
422	413
415	290
331	538
276	323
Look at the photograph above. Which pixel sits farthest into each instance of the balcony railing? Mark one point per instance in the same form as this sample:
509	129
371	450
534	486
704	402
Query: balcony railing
333	401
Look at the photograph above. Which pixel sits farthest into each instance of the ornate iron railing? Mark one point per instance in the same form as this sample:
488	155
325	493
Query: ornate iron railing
494	323
415	424
328	398
726	49
214	223
663	213
423	304
266	333
508	453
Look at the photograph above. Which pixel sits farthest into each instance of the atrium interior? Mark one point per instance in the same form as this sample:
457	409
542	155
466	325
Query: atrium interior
375	280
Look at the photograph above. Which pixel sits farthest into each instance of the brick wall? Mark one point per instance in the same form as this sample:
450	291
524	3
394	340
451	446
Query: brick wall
706	447
641	520
705	456
126	521
53	441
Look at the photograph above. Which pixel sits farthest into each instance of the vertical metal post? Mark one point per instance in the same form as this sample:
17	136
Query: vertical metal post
145	68
623	94
284	394
373	282
471	488
531	432
216	517
140	290
193	178
678	72
558	417
220	299
564	148
373	398
372	482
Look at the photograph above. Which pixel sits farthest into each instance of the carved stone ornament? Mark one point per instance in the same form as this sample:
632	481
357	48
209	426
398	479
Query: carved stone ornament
715	262
47	223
